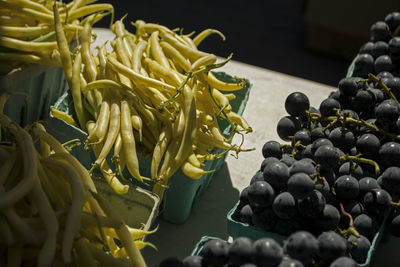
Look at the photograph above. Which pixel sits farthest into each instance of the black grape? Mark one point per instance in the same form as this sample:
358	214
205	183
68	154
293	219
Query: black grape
215	252
327	156
257	177
368	145
320	142
329	219
354	207
288	262
260	194
246	214
387	112
394	48
346	187
287	126
325	189
276	174
380	48
297	103
367	225
394	85
327	107
367	48
329	175
364	100
264	218
272	149
377	201
389	154
287	159
317	133
267	253
359	252
266	161
393	20
243	196
194	261
363	65
393	223
313	205
300	185
385	75
383	63
344	262
304	136
391	179
308	167
366	184
284	205
286	227
345	169
331	246
348	86
302	246
240	251
342	138
380	31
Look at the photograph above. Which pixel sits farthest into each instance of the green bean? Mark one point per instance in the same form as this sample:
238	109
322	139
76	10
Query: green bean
86	10
24	32
46	17
25	144
136	77
113	130
27	46
14	256
201	36
156	50
77	94
137	55
122	231
48	250
72	224
186	51
175	55
63	46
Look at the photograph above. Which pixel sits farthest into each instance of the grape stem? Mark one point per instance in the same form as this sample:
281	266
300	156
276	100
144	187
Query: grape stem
350	121
351	230
387	90
395	204
358	159
317	178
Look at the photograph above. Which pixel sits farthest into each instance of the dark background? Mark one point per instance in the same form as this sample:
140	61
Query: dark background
269	34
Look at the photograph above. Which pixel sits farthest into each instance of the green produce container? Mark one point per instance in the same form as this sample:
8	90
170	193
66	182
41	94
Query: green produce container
199	246
236	229
183	191
34	89
138	207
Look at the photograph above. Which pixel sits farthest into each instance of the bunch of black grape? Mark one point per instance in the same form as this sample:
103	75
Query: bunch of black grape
381	54
301	249
339	173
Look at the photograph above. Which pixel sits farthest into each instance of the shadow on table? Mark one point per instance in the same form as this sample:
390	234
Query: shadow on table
208	217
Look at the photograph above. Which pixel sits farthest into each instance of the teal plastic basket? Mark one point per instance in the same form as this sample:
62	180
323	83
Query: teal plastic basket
183	191
138	207
236	229
199	245
34	88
